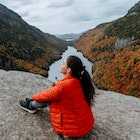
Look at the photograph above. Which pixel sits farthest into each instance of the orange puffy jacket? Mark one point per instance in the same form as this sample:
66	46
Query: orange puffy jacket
69	112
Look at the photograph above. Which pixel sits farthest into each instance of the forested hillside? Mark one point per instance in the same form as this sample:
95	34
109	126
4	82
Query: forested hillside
114	49
24	47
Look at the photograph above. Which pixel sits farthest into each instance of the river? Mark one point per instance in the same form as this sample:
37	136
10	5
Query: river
54	74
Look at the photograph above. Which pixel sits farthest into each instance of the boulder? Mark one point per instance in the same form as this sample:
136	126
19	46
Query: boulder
117	116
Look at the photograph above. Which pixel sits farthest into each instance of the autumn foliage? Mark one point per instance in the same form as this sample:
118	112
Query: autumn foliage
24	47
115	67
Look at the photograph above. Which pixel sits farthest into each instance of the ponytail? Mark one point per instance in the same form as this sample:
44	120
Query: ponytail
88	87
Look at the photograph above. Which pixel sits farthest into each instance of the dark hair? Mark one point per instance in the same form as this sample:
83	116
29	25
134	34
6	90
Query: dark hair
79	72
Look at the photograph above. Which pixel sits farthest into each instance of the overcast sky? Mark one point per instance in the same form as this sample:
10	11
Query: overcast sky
68	16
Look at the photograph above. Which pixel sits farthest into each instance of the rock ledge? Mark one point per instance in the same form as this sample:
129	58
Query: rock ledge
117	117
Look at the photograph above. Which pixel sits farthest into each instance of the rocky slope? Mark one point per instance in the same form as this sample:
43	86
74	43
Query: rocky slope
116	115
114	49
24	47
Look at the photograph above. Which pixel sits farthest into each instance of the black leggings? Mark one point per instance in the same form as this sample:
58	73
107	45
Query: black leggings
36	105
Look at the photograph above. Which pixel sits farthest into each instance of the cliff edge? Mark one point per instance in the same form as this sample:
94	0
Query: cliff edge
117	117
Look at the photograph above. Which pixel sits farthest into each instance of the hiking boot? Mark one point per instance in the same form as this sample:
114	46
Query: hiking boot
25	105
28	99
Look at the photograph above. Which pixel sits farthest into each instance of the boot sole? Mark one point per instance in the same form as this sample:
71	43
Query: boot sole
30	111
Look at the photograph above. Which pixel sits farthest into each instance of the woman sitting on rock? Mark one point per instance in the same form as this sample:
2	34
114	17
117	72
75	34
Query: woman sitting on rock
70	100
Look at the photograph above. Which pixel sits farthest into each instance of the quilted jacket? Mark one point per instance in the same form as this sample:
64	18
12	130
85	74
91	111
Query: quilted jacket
69	112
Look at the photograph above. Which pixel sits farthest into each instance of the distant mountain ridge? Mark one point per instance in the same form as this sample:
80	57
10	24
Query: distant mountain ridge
114	49
68	36
25	47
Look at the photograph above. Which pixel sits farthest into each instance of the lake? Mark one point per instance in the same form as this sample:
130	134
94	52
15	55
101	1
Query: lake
54	74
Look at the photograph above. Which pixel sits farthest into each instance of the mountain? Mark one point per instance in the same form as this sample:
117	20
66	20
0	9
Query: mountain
68	37
24	47
114	48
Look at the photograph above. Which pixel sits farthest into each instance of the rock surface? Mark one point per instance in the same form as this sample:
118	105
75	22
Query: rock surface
117	117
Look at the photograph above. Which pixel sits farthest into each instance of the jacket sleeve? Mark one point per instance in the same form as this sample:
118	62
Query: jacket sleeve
48	95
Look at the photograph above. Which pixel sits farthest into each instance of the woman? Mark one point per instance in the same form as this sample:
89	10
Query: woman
70	100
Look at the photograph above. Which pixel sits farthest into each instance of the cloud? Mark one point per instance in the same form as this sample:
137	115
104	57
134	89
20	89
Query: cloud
68	16
60	4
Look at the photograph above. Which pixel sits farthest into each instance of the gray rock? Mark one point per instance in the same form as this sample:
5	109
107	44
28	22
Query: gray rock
117	117
121	43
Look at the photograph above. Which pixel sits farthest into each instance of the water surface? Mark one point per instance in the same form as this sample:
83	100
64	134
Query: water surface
54	74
